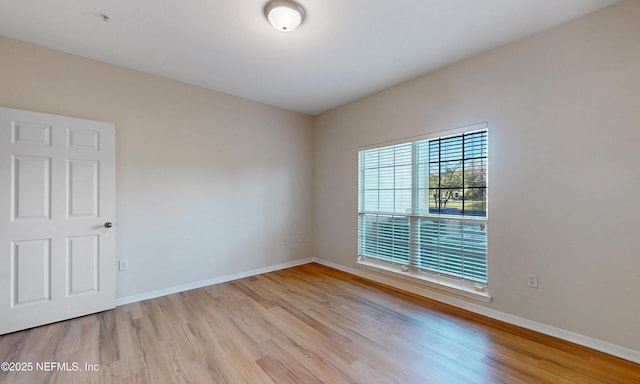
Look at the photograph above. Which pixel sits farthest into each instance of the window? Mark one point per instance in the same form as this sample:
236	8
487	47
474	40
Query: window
422	206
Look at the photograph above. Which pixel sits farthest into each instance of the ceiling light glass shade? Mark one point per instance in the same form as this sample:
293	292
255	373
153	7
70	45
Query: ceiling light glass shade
284	15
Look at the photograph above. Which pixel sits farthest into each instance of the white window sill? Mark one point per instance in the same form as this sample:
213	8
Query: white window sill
435	282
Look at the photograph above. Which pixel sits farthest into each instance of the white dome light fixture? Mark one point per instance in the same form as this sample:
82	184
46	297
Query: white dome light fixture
284	15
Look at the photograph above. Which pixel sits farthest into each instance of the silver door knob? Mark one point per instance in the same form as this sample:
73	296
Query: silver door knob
108	224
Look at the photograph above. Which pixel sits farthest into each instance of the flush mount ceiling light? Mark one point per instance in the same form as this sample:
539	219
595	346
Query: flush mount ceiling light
284	15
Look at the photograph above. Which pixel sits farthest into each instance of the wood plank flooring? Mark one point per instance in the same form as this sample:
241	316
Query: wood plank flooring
308	324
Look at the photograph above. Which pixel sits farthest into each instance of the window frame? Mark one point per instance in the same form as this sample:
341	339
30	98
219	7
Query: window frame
409	267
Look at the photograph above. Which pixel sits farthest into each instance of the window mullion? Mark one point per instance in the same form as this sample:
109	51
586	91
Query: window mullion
414	247
362	167
463	169
439	204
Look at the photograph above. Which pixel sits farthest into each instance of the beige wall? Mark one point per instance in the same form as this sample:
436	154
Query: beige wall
207	184
563	109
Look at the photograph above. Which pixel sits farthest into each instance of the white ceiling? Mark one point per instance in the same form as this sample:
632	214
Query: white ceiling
344	50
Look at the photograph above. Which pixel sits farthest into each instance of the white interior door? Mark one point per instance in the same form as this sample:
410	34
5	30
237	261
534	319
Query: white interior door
57	200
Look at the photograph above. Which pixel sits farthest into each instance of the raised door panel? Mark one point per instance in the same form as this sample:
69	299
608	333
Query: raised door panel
31	271
83	264
83	139
82	176
31	187
31	134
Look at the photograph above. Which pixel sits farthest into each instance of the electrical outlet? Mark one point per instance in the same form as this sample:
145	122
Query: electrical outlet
123	265
532	280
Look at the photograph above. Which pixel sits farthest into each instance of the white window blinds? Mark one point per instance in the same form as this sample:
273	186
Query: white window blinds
423	205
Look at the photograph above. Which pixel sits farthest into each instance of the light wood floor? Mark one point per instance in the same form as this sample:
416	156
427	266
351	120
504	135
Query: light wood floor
309	324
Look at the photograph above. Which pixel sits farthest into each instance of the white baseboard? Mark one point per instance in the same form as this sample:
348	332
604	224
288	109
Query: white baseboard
589	342
204	283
